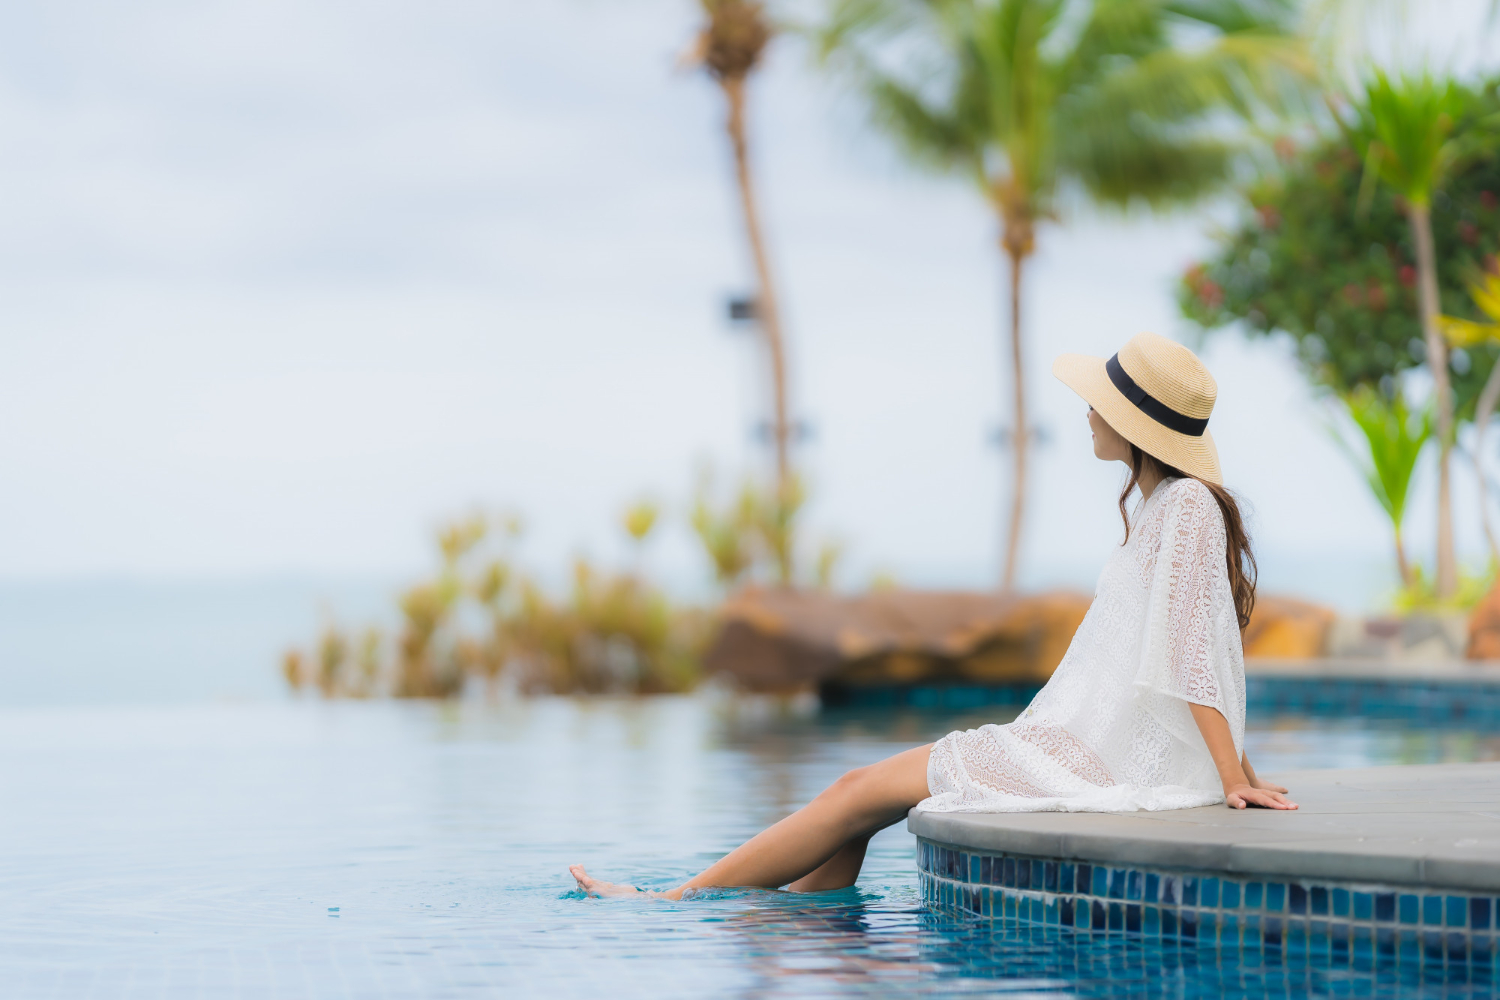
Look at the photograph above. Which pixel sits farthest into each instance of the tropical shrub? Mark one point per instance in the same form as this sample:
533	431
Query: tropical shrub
480	617
1306	260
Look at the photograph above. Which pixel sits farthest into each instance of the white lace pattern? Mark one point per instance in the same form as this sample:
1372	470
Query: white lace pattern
1112	731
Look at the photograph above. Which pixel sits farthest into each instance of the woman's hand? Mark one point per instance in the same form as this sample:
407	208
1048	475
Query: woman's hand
1268	796
1265	786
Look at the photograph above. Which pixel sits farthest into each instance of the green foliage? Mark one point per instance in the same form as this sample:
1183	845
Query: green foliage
1421	594
754	534
1411	132
1025	95
1306	262
1393	438
728	534
478	617
640	517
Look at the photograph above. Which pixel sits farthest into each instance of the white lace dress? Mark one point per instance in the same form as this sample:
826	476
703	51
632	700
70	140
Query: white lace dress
1112	731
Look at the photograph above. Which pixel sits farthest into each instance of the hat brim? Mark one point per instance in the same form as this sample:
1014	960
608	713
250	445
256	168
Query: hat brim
1086	376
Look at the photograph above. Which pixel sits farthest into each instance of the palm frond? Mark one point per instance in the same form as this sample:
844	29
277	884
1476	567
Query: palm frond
928	135
1231	16
1466	333
1405	127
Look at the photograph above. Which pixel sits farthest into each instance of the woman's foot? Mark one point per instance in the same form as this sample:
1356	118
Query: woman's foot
599	887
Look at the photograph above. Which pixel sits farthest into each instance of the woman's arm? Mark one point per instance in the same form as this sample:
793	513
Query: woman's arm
1239	788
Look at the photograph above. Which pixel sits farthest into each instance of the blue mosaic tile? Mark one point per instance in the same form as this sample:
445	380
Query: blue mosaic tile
1296	935
1432	911
1456	907
1325	922
1408	908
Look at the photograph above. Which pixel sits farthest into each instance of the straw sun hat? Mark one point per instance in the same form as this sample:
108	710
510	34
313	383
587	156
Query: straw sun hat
1157	394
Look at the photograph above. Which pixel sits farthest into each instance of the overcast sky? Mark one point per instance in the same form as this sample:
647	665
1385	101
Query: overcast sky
282	284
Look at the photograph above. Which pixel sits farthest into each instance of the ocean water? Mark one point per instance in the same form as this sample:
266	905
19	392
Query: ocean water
309	849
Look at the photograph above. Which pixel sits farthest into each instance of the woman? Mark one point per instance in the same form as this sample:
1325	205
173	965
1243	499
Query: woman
1147	708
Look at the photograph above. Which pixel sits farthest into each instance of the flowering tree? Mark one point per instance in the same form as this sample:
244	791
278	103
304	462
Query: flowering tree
1339	275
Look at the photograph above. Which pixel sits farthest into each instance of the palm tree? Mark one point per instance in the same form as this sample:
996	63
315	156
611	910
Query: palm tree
729	47
1409	130
1393	440
1467	333
1033	99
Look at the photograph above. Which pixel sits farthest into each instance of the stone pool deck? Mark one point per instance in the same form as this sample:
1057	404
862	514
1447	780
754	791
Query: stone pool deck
1399	861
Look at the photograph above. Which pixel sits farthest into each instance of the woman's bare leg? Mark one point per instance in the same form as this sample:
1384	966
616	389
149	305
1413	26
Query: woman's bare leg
839	871
815	837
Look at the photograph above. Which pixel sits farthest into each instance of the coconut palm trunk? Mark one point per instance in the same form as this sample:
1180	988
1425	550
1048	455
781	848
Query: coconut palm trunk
1020	438
1408	580
1420	218
767	312
1017	242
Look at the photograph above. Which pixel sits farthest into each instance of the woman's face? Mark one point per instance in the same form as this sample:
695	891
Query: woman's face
1108	444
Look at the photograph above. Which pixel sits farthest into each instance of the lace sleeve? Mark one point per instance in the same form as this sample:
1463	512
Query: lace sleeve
1189	592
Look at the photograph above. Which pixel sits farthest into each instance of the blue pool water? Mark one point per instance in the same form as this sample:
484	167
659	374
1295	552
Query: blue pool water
414	850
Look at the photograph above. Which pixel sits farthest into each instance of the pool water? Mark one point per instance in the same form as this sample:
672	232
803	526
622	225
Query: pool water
420	850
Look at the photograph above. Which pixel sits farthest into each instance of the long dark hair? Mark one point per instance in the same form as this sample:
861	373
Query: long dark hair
1242	569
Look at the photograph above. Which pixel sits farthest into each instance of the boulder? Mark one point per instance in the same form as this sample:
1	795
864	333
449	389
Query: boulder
1287	628
1484	628
775	639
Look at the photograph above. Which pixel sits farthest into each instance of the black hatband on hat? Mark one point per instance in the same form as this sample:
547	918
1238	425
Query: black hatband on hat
1150	405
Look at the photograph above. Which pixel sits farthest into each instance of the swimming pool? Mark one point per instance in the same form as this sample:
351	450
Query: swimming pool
403	850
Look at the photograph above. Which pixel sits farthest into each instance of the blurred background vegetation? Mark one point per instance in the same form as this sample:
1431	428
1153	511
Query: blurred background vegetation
1366	229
